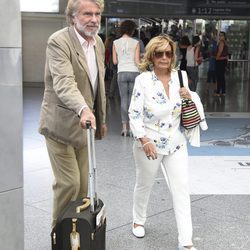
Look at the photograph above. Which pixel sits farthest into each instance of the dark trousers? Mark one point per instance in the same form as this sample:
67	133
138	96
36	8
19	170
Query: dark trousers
193	75
220	76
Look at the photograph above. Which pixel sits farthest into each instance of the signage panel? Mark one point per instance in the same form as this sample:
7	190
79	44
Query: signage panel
145	8
219	8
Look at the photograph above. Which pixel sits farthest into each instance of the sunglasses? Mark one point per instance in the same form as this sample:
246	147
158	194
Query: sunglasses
160	54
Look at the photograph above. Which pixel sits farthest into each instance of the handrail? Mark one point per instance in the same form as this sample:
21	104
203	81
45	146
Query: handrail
238	60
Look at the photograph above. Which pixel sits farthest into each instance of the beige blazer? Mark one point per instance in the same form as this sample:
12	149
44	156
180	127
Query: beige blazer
68	88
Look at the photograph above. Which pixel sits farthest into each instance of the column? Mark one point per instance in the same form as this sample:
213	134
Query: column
11	111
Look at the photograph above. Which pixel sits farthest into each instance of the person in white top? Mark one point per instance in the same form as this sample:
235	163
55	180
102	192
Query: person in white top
126	54
193	57
154	114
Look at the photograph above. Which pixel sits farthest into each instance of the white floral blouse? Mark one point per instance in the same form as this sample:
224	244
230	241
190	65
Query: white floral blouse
154	115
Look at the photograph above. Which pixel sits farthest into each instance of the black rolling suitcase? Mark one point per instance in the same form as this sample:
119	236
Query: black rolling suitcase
82	224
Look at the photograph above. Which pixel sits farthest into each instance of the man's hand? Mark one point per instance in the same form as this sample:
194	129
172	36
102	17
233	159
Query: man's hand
87	115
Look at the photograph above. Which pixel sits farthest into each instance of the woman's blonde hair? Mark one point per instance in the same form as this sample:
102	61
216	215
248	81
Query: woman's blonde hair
73	7
159	43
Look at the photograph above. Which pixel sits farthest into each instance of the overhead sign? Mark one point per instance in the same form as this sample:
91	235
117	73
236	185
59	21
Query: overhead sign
145	8
177	8
219	8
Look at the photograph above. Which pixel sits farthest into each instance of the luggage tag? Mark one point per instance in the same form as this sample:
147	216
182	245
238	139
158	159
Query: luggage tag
101	216
74	236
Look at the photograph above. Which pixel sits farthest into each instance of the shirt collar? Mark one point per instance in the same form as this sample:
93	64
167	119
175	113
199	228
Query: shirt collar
155	78
83	41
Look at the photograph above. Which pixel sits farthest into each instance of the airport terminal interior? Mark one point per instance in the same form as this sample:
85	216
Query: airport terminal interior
219	169
221	221
116	175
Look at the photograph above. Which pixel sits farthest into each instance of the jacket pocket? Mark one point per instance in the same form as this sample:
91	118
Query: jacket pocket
67	127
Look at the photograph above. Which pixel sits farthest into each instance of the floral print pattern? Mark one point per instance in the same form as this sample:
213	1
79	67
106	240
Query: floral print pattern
162	142
134	114
160	98
148	113
136	94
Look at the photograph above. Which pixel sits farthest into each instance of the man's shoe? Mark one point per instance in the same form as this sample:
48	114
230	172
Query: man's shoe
138	231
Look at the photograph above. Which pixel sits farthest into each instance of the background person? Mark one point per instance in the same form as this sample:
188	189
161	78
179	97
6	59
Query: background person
74	87
154	113
211	73
126	54
108	62
193	56
184	43
221	63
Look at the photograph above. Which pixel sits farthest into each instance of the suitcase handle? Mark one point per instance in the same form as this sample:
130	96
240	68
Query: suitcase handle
94	202
88	124
86	203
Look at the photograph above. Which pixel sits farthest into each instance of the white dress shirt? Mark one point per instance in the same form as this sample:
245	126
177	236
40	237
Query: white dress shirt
89	51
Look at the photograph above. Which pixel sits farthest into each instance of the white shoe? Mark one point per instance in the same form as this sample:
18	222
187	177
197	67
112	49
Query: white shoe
186	248
138	231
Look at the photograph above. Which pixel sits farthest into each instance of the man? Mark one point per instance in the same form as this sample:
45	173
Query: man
74	92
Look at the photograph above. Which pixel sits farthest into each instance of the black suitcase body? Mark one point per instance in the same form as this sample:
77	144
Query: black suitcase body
91	237
82	224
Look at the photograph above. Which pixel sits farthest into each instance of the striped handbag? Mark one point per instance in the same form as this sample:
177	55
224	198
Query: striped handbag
190	117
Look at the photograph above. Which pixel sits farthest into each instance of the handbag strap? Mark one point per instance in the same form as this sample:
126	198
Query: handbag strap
180	78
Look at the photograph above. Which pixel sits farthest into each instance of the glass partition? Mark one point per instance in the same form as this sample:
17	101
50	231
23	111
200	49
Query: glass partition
51	6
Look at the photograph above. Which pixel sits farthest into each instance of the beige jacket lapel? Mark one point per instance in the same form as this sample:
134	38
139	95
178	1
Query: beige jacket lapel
79	51
98	59
81	55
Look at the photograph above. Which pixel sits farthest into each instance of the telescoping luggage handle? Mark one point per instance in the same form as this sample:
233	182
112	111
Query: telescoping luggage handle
92	167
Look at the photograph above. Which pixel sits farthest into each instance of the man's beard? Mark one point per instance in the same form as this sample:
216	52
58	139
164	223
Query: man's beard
83	29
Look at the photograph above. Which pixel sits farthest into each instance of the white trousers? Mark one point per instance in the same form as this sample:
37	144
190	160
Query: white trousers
176	167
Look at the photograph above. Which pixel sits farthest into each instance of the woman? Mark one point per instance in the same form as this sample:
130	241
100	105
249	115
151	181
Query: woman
221	63
154	115
126	53
193	57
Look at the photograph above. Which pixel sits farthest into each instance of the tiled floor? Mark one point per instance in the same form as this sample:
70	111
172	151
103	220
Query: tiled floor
237	97
220	222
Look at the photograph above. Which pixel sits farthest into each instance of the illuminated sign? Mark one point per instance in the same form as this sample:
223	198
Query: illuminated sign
145	8
218	8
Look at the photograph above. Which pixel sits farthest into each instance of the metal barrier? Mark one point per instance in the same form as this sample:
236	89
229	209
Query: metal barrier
238	60
242	64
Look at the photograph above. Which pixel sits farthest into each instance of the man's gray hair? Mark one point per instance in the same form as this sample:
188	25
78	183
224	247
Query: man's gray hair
73	7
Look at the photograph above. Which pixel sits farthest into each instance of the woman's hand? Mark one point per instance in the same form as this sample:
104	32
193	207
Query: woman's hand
184	93
149	148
